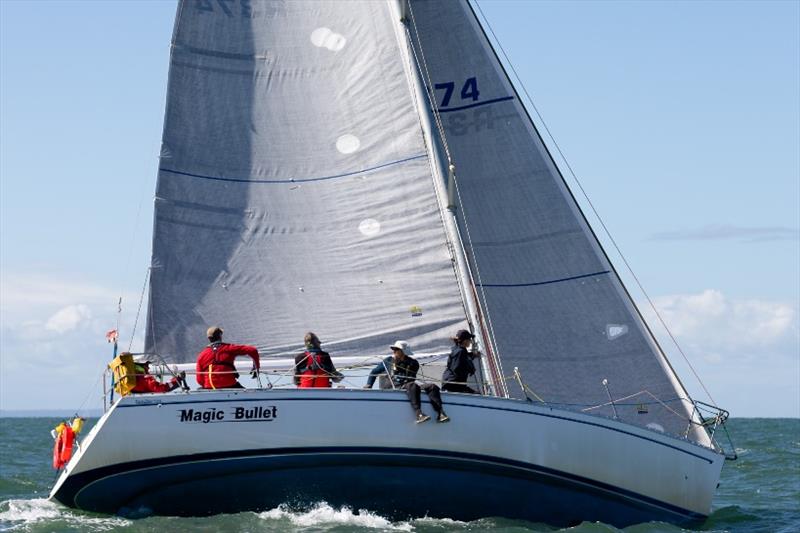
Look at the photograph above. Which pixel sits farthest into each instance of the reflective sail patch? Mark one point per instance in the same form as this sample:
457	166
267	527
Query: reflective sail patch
614	331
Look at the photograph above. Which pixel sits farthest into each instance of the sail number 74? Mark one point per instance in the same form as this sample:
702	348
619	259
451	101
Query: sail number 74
469	91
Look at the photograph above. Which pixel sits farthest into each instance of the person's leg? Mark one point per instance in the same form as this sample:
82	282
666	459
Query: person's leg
412	389
432	390
435	396
455	387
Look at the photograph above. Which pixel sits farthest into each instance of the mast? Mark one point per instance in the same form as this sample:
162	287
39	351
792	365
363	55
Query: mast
444	184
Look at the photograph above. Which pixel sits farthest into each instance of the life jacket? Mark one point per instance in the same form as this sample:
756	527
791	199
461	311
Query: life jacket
227	366
312	373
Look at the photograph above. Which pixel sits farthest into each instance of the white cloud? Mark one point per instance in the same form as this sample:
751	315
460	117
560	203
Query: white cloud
720	326
69	318
719	232
55	329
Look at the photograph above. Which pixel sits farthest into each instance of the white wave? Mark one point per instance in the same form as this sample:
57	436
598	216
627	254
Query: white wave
440	522
21	513
324	514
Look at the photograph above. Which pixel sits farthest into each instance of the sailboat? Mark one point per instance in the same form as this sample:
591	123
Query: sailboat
367	170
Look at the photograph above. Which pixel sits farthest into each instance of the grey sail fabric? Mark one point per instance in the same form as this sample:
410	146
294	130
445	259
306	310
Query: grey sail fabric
294	189
558	311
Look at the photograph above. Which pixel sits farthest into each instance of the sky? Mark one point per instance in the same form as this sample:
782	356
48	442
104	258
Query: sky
680	119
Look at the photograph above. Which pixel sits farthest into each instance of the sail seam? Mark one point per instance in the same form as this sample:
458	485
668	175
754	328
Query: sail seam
486	102
293	180
548	282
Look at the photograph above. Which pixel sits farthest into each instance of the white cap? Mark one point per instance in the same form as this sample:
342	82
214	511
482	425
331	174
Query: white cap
402	346
141	359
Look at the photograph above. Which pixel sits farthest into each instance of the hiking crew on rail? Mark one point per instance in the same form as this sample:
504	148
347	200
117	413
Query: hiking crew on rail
402	370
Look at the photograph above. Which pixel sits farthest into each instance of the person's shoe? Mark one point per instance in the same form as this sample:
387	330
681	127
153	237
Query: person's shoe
422	417
442	418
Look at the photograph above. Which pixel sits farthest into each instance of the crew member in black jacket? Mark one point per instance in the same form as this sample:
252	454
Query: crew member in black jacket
459	364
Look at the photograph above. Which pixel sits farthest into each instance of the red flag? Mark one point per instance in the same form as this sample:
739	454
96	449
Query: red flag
112	335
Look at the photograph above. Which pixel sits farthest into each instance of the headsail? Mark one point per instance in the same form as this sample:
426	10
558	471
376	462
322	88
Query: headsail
294	190
557	309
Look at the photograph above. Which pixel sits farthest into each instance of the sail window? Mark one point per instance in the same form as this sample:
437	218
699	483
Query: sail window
369	227
327	38
347	143
614	331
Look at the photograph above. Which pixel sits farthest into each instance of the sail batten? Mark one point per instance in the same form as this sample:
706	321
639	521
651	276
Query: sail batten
295	180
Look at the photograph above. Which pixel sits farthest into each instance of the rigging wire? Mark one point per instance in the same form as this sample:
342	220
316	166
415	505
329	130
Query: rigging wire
591	205
92	391
126	267
442	209
152	317
493	352
139	310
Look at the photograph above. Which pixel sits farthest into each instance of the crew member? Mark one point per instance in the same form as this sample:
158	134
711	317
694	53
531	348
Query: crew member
402	370
147	383
314	367
459	364
215	369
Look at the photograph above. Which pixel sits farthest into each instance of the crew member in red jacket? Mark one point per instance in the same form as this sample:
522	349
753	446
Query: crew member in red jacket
215	369
314	367
147	383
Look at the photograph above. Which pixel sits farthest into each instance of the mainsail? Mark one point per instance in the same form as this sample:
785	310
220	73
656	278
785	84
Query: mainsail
294	189
296	192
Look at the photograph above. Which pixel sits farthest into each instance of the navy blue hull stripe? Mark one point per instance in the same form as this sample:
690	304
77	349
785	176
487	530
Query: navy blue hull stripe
478	104
548	282
298	180
77	482
404	400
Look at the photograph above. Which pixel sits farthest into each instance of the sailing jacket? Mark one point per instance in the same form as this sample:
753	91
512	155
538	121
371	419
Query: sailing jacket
313	368
401	372
215	368
147	383
459	365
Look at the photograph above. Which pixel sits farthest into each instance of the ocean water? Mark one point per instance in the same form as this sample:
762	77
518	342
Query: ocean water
758	492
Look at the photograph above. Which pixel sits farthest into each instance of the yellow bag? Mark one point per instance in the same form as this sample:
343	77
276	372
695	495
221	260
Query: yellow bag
124	373
77	424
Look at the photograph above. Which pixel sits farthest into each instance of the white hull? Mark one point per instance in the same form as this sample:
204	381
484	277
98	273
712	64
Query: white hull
150	453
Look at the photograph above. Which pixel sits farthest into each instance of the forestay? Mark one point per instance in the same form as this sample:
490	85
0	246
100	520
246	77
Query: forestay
558	310
294	189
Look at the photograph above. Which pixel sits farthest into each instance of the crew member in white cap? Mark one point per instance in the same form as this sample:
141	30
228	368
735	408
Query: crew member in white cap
402	370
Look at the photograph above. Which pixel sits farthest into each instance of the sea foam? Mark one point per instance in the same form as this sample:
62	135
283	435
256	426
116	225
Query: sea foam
16	514
323	514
